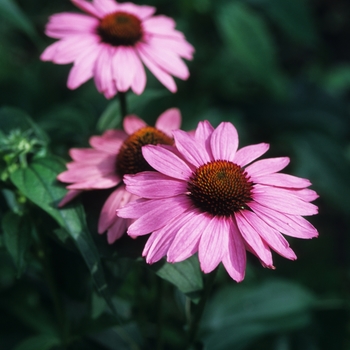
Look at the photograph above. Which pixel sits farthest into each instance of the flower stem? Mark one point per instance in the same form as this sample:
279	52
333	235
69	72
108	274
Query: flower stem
195	321
122	103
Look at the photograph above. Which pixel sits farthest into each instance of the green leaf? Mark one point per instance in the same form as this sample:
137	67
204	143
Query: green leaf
110	118
17	238
9	11
42	342
275	306
248	38
38	183
293	17
185	275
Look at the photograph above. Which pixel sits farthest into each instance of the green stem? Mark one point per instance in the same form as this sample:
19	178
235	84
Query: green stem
48	272
195	321
122	103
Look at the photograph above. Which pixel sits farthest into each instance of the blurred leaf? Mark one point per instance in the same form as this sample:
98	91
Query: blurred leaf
337	80
38	183
248	38
10	12
42	342
110	118
237	315
17	238
185	275
292	16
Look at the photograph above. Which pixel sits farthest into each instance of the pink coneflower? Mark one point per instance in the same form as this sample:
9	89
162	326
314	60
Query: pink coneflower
113	155
209	197
112	41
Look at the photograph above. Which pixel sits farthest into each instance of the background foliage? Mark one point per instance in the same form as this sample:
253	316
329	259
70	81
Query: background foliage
280	71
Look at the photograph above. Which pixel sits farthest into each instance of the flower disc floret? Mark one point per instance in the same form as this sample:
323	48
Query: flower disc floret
220	188
130	159
120	28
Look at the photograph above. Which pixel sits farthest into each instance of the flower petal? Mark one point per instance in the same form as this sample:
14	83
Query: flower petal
123	67
247	154
224	142
202	136
166	162
132	123
267	166
152	185
169	120
235	259
88	8
213	243
281	180
116	230
110	142
68	197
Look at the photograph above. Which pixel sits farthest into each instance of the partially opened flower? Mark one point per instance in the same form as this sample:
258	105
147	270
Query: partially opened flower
113	155
208	197
112	41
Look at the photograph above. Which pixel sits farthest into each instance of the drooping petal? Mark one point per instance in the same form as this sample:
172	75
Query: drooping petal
152	185
139	82
189	229
281	180
117	199
253	239
166	162
116	230
110	142
213	244
224	142
247	154
169	120
235	258
68	197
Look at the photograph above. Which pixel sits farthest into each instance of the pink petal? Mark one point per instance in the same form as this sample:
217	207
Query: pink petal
105	6
109	142
166	162
96	183
159	25
202	136
213	243
224	142
141	12
165	78
293	226
123	67
68	197
247	154
166	60
283	201
88	155
169	120
62	25
253	239
281	180
193	151
132	123
116	200
159	217
152	185
235	259
158	244
272	237
188	230
139	82
87	7
267	166
116	230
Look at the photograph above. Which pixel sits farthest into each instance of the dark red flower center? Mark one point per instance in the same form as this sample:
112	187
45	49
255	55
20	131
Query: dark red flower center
220	188
120	29
130	159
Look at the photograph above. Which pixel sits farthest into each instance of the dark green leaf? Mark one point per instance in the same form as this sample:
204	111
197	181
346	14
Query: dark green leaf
17	238
42	342
274	306
110	118
38	183
185	275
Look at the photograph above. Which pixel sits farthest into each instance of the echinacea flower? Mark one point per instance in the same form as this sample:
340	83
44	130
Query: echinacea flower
113	155
208	197
112	41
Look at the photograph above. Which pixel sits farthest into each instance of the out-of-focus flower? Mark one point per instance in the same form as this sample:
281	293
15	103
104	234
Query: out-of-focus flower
113	41
208	197
113	155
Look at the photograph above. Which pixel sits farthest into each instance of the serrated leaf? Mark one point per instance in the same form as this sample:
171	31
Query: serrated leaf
185	275
17	238
42	342
38	183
